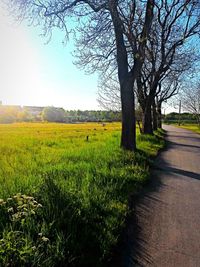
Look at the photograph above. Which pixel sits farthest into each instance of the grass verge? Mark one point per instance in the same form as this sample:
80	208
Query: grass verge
193	127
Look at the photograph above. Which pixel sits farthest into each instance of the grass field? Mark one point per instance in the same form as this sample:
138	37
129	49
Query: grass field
65	190
193	127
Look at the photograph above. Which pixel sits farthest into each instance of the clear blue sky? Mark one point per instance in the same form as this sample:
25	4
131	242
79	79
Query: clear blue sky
39	74
33	73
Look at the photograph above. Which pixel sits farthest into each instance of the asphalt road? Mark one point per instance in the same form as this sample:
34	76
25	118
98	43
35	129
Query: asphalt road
165	230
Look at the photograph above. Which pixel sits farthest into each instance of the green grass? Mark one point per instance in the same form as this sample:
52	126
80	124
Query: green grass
83	187
193	127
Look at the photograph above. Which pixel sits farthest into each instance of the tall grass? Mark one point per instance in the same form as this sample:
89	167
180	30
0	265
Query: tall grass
193	127
83	181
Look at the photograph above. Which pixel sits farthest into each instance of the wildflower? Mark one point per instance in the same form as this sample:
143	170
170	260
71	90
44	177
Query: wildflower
20	203
9	199
10	210
33	212
40	234
1	201
39	206
45	239
15	216
29	198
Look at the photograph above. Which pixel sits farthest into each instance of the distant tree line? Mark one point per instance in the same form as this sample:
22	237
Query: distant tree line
147	47
60	115
10	114
183	118
191	99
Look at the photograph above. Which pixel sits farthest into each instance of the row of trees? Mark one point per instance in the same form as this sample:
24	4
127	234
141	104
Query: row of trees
181	118
187	101
13	114
190	98
146	46
170	57
52	114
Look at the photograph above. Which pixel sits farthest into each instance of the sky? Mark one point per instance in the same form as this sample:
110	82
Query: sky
39	74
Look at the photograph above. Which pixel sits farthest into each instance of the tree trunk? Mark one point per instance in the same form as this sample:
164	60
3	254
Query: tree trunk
159	115
128	137
147	120
155	117
198	120
126	77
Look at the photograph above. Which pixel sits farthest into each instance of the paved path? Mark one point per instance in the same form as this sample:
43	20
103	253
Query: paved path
168	215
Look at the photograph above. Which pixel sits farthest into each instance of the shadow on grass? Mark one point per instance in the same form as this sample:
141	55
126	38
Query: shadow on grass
133	247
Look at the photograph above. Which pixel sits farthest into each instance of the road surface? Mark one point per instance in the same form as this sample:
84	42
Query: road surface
166	230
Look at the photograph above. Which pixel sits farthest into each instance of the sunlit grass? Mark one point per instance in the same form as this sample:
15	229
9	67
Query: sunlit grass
27	150
82	179
193	127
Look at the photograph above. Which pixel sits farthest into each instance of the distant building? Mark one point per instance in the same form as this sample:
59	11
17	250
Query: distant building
34	111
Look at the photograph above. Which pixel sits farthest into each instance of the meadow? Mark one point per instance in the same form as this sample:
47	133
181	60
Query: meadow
65	190
193	127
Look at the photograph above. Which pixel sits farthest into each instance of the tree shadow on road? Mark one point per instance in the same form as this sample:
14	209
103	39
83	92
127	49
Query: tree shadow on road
133	247
183	145
194	137
181	172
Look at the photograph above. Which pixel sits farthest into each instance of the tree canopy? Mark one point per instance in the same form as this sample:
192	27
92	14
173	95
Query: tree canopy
130	39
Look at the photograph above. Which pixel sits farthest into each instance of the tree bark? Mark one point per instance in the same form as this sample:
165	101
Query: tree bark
126	77
159	115
155	117
147	120
128	136
198	119
126	80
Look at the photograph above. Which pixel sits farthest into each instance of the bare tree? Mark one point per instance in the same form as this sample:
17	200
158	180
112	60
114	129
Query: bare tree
109	93
104	39
170	54
173	34
169	88
190	97
187	65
